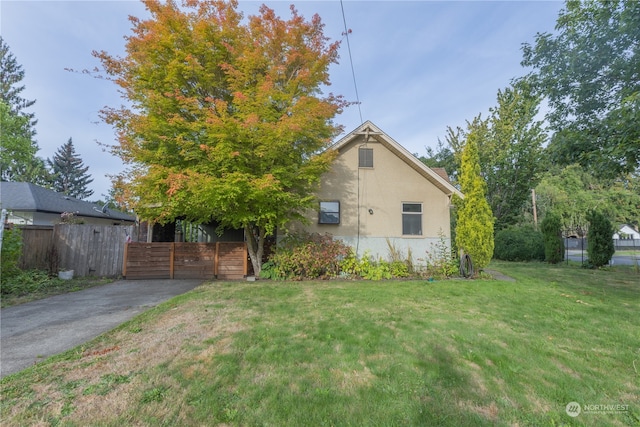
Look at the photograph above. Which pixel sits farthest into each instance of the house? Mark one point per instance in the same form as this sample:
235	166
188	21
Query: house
30	204
626	232
378	194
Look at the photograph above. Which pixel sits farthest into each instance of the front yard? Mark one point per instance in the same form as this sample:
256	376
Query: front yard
457	352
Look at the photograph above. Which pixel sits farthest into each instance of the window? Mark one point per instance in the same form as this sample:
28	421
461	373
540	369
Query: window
412	219
365	157
329	213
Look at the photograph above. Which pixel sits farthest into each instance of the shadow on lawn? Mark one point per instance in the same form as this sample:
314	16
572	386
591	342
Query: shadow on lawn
451	397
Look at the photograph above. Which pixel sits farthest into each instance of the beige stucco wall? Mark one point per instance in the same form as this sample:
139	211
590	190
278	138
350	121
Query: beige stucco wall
382	189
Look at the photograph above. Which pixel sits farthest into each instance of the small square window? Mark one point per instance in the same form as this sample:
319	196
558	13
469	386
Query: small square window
329	213
412	219
365	157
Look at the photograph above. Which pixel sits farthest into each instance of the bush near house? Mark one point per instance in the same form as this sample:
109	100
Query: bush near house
315	256
519	244
306	256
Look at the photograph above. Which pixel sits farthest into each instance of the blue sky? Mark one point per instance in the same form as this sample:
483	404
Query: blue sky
420	66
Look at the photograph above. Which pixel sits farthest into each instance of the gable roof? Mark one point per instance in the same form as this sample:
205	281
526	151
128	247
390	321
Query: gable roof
368	129
27	197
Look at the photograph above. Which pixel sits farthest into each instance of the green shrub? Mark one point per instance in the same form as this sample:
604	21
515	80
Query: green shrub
519	244
312	256
599	239
10	255
552	234
26	282
441	260
370	269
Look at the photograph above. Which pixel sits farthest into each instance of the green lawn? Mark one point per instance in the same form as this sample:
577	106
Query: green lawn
444	353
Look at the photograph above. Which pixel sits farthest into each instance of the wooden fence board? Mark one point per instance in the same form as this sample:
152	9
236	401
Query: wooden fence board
95	250
91	250
185	260
148	261
37	251
194	260
231	260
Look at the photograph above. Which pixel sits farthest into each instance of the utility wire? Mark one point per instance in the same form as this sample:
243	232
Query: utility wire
353	72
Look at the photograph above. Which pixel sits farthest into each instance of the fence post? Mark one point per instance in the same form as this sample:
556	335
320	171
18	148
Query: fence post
172	256
216	260
246	265
124	260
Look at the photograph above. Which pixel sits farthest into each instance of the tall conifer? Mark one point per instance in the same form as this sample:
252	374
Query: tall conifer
69	172
18	148
474	230
599	239
553	244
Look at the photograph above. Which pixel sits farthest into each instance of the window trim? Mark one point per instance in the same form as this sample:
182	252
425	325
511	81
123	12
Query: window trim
320	212
403	213
362	155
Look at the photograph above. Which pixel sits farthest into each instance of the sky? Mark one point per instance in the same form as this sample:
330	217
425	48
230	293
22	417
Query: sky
419	66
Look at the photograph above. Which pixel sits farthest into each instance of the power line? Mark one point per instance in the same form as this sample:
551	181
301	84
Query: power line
353	72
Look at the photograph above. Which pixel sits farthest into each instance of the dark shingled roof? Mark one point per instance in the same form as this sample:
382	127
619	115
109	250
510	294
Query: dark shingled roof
27	197
442	172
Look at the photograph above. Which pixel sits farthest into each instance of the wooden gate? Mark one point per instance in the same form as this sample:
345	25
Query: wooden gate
222	260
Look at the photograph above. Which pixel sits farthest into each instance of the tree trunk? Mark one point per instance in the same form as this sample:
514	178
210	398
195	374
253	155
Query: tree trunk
255	246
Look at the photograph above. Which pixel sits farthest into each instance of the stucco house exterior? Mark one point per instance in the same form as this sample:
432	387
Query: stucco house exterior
30	204
377	193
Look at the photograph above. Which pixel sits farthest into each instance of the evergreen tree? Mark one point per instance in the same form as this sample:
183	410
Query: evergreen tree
599	239
474	230
69	173
18	160
551	227
11	75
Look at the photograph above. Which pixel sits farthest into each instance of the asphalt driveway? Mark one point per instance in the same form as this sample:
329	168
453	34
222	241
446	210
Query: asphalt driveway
33	331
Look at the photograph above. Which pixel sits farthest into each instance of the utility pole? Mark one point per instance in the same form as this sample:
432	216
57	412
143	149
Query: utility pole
3	216
535	211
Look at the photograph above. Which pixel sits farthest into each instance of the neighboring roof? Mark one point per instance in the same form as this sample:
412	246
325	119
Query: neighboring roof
442	172
27	197
436	176
628	229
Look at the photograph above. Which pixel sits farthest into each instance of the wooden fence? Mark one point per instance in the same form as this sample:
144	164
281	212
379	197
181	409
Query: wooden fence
161	260
91	250
88	250
103	251
37	248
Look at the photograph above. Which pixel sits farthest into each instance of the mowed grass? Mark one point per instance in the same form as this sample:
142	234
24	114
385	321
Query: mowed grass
341	353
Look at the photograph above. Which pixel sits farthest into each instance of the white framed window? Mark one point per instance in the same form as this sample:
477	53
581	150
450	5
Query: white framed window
365	157
412	219
329	212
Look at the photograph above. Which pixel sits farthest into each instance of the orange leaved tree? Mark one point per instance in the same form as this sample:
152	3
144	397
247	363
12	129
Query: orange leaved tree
226	118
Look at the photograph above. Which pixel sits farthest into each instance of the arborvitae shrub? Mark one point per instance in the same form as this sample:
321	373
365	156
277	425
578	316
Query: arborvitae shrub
474	228
553	244
599	239
519	244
